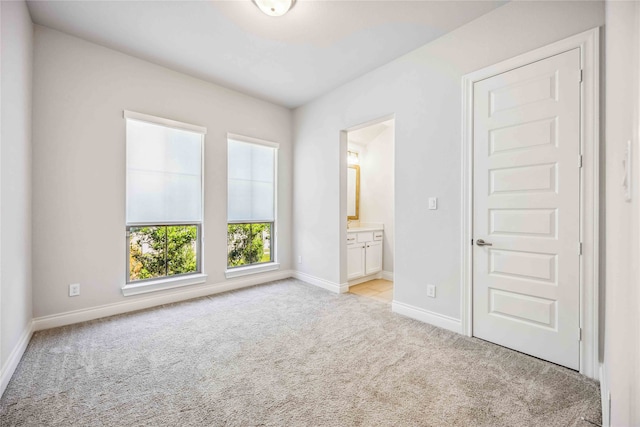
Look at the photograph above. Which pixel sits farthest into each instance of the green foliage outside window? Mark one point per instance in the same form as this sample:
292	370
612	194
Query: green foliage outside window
158	251
248	244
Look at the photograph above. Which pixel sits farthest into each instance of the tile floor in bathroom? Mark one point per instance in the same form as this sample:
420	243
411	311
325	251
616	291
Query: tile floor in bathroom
379	289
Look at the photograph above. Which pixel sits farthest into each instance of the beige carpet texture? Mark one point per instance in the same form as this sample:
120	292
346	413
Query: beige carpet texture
284	354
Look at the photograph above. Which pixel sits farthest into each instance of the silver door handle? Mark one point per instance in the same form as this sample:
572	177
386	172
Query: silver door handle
481	242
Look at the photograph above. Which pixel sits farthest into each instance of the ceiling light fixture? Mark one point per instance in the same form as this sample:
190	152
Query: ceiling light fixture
274	7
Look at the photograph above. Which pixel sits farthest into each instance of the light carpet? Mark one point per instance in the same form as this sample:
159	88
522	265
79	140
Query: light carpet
284	354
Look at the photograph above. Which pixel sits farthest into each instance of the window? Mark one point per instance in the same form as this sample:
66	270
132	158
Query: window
164	198
251	201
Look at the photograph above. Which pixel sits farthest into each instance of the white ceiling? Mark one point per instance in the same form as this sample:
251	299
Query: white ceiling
289	60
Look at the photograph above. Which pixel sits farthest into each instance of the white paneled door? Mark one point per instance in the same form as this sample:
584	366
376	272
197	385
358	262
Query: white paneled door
526	202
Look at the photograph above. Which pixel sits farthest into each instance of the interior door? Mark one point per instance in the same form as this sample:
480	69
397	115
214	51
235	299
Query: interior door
527	209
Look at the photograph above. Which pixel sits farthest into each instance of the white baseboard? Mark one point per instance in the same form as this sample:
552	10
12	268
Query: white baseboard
387	275
148	301
427	316
14	358
605	396
322	283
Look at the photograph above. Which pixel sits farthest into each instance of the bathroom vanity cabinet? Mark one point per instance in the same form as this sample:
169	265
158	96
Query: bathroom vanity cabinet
364	252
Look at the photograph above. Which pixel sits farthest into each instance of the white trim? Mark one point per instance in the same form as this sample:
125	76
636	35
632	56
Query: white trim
148	301
161	284
466	227
605	396
251	140
372	122
14	358
252	269
132	115
589	44
324	284
387	275
426	316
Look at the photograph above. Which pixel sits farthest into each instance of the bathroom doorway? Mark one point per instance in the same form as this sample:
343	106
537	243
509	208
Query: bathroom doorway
370	209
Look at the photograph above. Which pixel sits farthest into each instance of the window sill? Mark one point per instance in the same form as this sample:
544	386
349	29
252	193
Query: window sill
252	269
161	284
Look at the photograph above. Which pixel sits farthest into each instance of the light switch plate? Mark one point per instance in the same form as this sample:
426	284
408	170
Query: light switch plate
431	291
433	203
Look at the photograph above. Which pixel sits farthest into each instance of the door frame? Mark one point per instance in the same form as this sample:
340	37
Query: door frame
589	44
344	280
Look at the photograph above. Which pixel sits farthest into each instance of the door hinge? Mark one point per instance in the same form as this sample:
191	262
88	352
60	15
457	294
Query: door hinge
580	161
580	76
580	248
471	242
579	334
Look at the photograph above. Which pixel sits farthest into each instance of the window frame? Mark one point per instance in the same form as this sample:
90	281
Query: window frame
170	224
271	248
166	282
260	267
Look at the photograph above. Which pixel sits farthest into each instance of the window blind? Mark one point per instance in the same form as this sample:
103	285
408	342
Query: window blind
164	172
251	181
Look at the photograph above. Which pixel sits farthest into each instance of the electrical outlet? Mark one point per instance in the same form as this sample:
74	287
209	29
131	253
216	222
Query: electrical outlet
431	291
433	203
74	289
299	259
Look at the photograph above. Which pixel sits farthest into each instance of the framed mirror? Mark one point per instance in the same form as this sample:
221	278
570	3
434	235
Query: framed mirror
353	192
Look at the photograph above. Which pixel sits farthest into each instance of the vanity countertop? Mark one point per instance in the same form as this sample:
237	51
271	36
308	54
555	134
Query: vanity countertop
365	227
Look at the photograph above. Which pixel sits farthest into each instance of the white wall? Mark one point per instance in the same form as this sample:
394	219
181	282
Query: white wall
622	294
80	91
15	176
423	89
376	189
